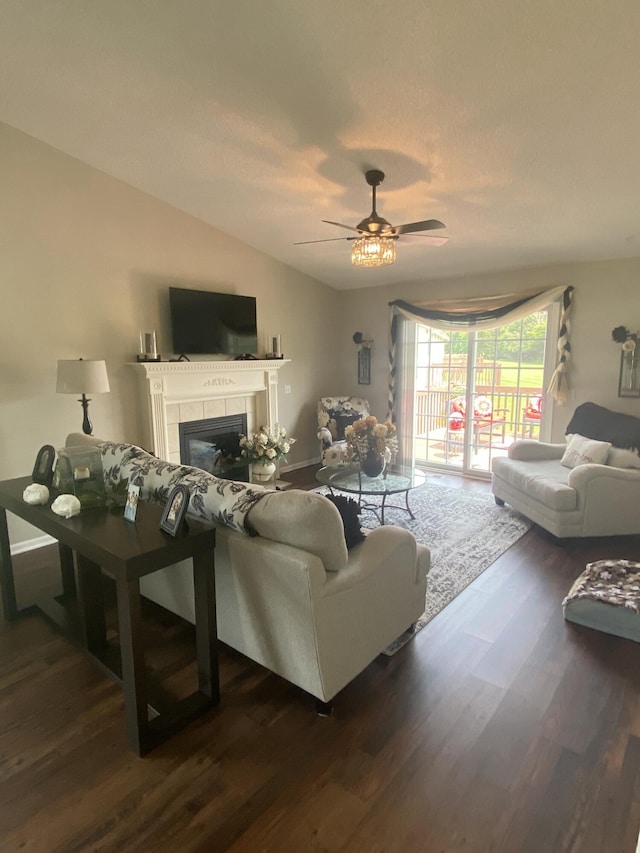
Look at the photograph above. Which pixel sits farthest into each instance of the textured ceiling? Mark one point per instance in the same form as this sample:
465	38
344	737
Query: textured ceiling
515	123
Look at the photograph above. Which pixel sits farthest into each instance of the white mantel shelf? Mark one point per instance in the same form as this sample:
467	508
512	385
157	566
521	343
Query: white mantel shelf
166	383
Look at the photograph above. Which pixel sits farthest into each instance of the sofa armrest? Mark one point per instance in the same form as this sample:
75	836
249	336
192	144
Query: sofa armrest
325	437
582	475
528	449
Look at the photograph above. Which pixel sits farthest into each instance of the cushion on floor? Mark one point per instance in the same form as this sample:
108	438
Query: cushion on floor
606	596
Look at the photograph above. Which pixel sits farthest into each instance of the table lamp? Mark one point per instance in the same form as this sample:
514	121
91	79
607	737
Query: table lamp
83	376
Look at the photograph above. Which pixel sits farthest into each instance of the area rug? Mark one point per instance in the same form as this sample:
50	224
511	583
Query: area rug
464	530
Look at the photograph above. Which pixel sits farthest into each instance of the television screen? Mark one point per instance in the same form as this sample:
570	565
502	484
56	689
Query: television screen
204	323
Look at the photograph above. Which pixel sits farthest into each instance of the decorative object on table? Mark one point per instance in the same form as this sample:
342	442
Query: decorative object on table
629	378
43	469
83	376
263	449
364	358
148	347
371	444
66	505
175	509
79	471
131	506
36	494
116	492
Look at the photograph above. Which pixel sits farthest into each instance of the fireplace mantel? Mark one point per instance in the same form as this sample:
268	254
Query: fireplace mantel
172	385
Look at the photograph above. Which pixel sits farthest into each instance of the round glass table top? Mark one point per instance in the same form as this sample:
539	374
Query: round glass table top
351	479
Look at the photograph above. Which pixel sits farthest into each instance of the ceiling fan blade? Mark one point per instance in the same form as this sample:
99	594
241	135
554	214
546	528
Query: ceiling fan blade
340	225
433	238
426	225
329	240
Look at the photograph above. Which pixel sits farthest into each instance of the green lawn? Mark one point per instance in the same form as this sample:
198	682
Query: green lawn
530	375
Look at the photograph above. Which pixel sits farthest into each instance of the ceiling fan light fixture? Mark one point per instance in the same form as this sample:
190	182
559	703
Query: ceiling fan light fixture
373	251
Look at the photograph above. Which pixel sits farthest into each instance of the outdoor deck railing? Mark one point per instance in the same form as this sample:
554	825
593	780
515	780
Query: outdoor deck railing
433	407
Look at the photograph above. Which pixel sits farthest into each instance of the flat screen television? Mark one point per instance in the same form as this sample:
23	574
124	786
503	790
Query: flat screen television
205	323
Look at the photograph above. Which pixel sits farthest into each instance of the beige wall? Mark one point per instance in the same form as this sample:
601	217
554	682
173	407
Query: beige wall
85	263
606	295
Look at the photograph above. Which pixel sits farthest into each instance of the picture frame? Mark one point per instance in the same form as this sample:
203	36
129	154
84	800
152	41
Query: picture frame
43	468
131	506
174	510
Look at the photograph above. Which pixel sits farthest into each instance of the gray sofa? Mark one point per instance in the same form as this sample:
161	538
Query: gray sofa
290	596
590	499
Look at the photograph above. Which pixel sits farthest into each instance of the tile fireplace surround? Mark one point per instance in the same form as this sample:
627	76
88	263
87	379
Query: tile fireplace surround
180	391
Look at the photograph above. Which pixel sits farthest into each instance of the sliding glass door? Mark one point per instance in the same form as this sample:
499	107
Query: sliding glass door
476	392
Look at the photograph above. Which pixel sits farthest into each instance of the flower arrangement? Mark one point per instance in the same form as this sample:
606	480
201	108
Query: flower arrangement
269	444
367	436
629	340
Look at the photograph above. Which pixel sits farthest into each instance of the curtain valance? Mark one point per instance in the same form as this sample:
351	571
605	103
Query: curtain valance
486	312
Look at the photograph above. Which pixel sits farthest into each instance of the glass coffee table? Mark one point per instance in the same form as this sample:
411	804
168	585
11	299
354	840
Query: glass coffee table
394	481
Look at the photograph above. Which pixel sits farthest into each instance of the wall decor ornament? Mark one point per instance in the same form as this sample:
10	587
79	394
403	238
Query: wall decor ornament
363	347
629	377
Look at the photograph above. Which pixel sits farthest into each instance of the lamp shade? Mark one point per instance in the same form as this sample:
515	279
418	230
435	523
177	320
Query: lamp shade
82	376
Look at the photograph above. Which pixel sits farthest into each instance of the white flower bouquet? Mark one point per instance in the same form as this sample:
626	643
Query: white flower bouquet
269	444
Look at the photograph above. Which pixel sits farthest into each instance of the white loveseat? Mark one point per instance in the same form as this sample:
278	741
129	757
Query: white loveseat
290	596
587	500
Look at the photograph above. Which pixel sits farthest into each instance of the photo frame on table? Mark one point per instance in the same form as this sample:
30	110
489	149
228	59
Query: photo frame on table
43	469
174	510
131	506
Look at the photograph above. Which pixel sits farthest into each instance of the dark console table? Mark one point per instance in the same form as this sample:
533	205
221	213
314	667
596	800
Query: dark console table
102	541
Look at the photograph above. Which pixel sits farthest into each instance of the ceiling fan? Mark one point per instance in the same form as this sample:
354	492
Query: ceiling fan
375	244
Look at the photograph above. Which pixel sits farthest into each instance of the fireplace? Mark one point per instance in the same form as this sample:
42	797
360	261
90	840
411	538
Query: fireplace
177	392
213	443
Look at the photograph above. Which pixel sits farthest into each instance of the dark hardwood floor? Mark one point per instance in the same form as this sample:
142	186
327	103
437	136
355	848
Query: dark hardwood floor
498	728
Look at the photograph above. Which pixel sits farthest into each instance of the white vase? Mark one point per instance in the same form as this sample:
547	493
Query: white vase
262	472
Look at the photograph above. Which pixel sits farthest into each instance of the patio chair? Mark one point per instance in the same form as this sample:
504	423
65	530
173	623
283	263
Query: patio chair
485	421
531	415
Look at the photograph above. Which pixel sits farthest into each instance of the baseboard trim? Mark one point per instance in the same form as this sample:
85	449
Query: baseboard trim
32	544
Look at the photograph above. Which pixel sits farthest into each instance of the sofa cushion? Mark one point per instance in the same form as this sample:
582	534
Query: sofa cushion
304	520
582	451
544	480
595	421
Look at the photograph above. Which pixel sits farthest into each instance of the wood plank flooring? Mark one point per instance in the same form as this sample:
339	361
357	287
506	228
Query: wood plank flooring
499	728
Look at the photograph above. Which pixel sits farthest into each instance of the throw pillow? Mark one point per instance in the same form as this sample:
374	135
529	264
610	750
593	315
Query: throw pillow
581	451
350	514
343	421
620	458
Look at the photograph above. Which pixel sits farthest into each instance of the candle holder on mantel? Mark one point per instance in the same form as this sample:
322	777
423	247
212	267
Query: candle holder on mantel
148	347
276	348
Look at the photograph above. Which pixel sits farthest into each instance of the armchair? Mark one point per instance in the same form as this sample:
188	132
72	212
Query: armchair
588	499
531	416
335	414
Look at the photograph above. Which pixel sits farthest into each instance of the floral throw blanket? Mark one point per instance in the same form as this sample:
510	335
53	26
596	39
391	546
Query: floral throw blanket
612	581
212	499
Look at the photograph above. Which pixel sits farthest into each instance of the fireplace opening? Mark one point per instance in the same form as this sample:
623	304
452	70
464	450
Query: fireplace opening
214	444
